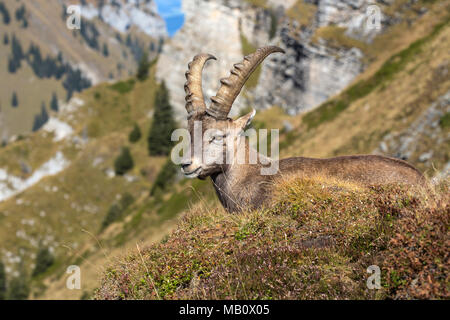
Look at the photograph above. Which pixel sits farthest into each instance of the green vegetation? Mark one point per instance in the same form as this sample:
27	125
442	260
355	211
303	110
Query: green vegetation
21	15
336	38
303	12
248	48
5	13
330	109
444	122
14	100
273	24
258	3
3	288
44	260
19	287
124	162
165	178
105	50
54	103
40	119
123	86
144	65
163	124
135	134
314	242
117	210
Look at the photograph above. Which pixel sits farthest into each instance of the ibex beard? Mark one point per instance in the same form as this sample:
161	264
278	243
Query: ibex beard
242	185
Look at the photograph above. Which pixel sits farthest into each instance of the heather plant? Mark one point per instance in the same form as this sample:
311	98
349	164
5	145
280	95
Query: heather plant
315	241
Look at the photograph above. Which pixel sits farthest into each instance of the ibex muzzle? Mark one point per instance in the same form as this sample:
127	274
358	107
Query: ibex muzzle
241	185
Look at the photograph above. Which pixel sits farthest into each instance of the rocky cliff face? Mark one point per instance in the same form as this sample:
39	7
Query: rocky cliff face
309	72
123	15
313	70
214	27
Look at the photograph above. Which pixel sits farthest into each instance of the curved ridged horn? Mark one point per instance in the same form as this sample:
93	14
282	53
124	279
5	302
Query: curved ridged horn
193	86
231	86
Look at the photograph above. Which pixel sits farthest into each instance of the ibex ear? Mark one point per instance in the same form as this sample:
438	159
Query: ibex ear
244	121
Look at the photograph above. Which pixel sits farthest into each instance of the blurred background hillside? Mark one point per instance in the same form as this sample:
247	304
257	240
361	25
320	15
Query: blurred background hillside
85	115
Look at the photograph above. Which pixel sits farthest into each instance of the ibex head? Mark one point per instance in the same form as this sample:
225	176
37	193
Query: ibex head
216	131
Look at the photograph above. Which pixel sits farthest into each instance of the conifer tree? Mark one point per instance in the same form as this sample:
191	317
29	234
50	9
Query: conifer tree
163	124
143	67
54	103
40	119
14	100
124	162
4	11
19	288
2	281
165	177
44	260
135	134
105	50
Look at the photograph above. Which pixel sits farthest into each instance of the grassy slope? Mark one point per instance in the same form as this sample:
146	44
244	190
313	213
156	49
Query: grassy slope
314	242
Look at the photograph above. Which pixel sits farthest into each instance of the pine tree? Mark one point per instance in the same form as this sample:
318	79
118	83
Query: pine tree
2	281
44	260
165	177
14	100
16	48
143	68
105	50
54	103
13	64
19	288
4	11
135	134
124	162
163	124
117	210
44	113
40	119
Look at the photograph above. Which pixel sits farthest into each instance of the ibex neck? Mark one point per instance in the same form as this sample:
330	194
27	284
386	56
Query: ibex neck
235	184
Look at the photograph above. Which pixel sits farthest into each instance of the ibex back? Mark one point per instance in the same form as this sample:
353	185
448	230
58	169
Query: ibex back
241	186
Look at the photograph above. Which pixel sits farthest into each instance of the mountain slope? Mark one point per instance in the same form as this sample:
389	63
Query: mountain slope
98	50
57	185
407	95
342	228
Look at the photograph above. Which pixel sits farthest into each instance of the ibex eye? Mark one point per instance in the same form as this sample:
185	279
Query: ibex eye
218	139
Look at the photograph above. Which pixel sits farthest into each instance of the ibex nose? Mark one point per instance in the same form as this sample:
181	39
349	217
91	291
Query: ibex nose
186	164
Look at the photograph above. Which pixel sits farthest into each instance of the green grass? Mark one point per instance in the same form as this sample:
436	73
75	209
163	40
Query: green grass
444	122
331	109
258	3
303	12
123	86
248	48
336	38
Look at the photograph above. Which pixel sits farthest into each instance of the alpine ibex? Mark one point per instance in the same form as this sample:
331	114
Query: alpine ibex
241	186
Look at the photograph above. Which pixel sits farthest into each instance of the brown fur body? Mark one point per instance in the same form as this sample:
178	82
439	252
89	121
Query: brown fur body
242	186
